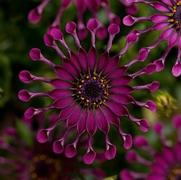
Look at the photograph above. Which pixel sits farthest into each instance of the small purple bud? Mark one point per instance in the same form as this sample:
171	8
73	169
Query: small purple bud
151	105
25	77
42	135
110	152
128	20
132	36
24	95
89	157
92	24
143	54
35	54
48	40
127	141
113	29
55	33
143	125
70	151
159	65
29	113
150	68
34	17
154	86
176	70
101	33
70	27
58	147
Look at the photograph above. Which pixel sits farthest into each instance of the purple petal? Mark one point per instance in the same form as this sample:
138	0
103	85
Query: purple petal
70	151
111	65
89	157
70	68
59	94
121	81
101	121
58	147
56	33
34	16
91	123
121	90
109	115
62	103
151	105
25	76
143	125
81	125
110	152
91	58
75	61
35	54
173	39
42	136
127	141
24	95
63	74
74	116
66	112
161	26
60	84
118	73
83	60
116	108
160	7
167	2
176	70
102	61
159	18
122	99
128	20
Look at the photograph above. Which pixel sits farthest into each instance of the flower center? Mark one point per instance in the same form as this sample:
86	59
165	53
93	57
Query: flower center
43	167
175	174
176	16
91	90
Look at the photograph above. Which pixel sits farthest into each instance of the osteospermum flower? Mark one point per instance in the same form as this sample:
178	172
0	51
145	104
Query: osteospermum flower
166	19
91	91
23	161
164	164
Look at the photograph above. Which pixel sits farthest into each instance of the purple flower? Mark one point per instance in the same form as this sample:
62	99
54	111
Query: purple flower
166	19
90	90
163	164
18	160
